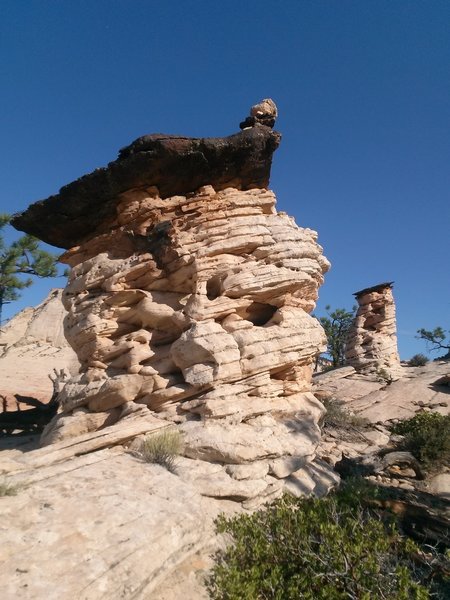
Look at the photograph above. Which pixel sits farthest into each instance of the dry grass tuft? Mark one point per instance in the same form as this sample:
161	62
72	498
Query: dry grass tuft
162	449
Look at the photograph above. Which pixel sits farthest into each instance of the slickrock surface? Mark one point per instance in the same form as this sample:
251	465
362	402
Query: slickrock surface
32	344
379	405
372	339
92	521
372	399
102	526
402	399
97	523
189	294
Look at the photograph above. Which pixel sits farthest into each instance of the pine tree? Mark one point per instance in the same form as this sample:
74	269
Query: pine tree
336	326
22	257
435	339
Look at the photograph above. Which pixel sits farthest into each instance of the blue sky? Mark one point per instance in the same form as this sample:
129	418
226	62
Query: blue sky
363	92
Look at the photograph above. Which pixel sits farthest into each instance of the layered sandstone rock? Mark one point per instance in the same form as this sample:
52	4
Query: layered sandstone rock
32	345
189	294
372	340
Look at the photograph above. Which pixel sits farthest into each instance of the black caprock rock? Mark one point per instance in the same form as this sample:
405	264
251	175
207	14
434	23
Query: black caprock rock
174	164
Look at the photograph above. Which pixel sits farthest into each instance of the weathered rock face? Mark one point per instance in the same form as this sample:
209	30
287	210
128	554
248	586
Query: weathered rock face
372	340
32	344
196	303
102	525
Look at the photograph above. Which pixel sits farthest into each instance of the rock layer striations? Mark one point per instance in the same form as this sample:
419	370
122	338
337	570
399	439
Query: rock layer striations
190	295
372	340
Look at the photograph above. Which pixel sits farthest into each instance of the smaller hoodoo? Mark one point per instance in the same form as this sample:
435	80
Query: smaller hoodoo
372	339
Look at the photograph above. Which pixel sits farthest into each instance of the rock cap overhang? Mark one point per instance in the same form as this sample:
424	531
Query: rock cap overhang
176	165
375	288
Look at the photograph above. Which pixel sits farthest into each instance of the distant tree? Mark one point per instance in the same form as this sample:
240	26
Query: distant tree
337	325
18	260
435	339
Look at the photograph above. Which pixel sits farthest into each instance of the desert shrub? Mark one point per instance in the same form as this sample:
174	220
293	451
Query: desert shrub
427	437
339	418
418	360
384	376
327	549
161	449
8	489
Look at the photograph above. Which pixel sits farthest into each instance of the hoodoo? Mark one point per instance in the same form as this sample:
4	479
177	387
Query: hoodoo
372	339
189	298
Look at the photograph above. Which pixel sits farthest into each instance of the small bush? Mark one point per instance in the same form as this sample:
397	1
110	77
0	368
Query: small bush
161	449
325	549
8	489
418	360
427	437
384	376
339	418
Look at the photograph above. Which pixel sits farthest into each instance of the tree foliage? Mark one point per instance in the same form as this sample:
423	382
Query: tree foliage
337	325
18	262
427	437
328	549
435	339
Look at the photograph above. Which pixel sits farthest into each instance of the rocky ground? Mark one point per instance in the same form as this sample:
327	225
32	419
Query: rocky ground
375	405
92	521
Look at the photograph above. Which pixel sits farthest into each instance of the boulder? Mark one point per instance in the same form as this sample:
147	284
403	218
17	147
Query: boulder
440	485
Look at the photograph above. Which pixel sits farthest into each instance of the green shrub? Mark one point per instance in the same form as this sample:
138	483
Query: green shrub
418	360
328	549
427	437
161	449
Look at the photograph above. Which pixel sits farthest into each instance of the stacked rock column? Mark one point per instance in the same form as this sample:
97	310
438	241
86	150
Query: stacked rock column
372	340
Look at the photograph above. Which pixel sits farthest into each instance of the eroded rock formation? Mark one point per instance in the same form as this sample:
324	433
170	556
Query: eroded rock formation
190	295
372	340
32	345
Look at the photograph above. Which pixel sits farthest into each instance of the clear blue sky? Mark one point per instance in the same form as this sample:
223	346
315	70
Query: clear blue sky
363	91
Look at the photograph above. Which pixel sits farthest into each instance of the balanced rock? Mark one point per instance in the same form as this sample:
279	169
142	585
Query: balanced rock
372	339
263	113
191	295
